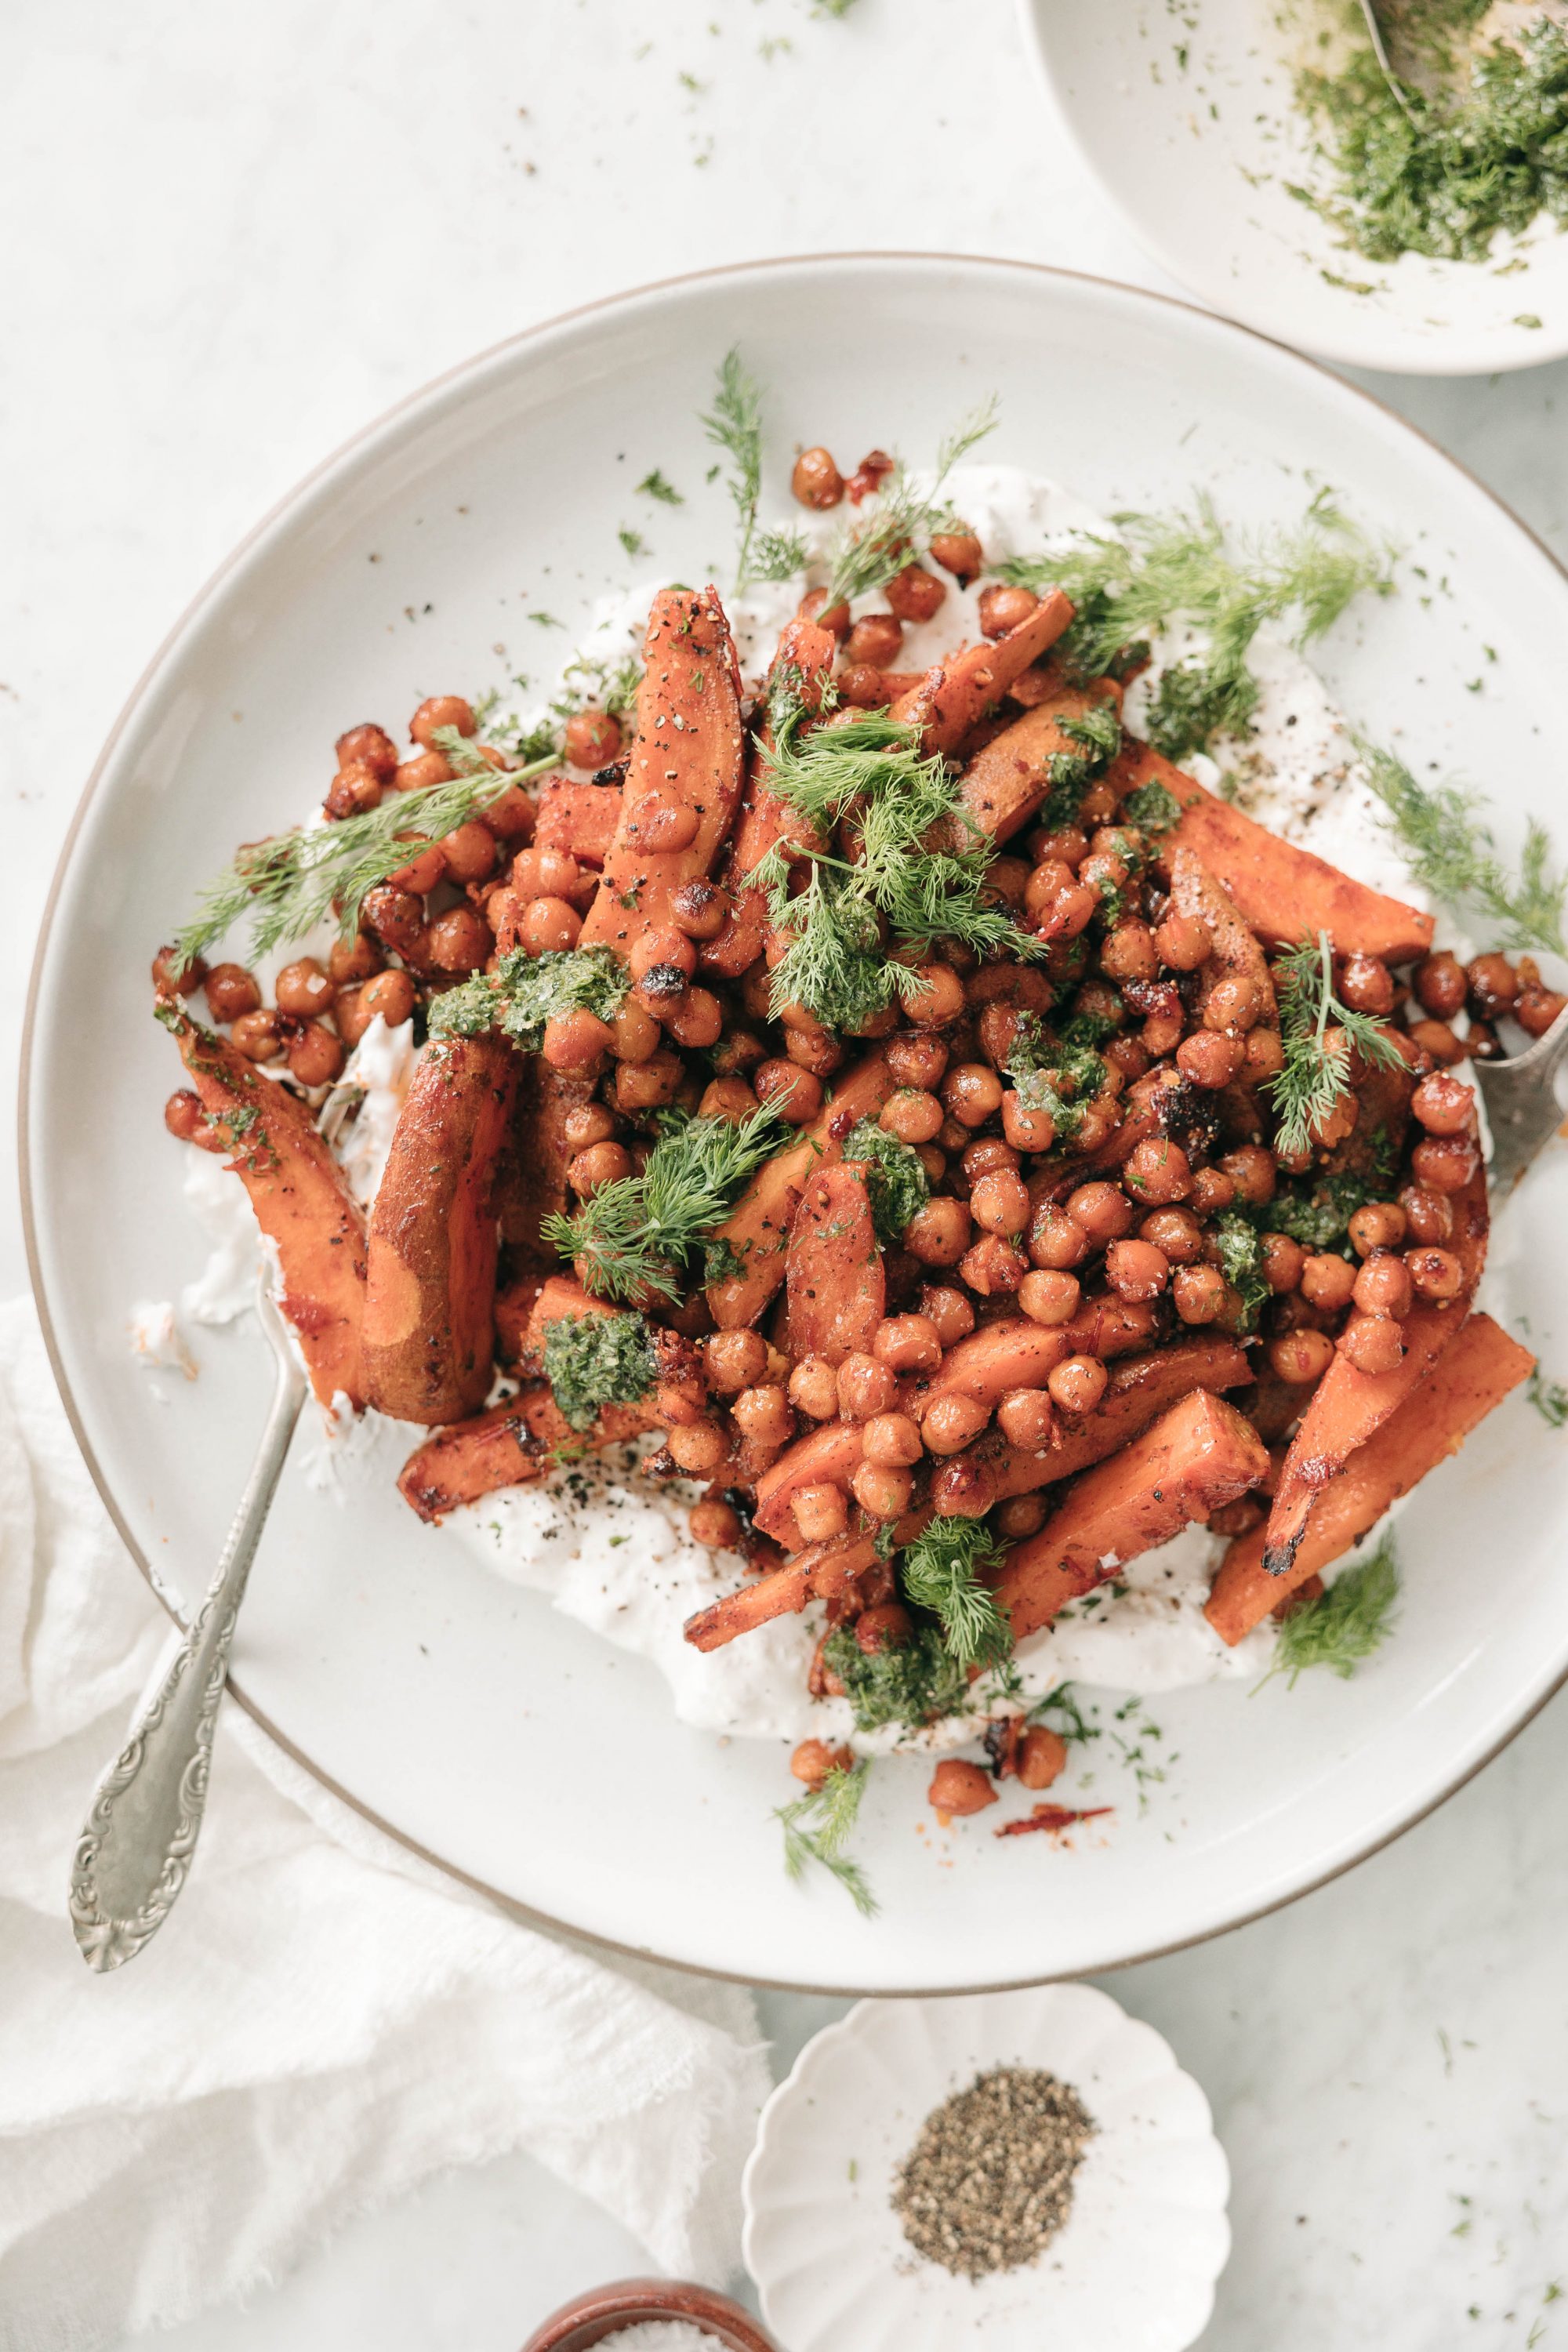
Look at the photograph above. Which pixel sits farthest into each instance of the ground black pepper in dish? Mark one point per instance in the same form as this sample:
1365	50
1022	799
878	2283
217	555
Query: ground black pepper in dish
989	2181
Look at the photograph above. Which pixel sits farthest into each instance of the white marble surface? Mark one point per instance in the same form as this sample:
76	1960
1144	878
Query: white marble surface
233	234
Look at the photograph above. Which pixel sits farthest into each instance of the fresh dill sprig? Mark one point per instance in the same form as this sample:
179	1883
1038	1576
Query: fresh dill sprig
1549	1399
1344	1624
632	1237
941	1572
1316	1068
734	425
779	555
1452	853
1163	566
817	1827
655	486
524	991
288	884
872	772
902	519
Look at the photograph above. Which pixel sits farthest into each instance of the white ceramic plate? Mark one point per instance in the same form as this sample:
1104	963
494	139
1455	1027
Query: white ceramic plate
460	1711
1132	2269
1186	115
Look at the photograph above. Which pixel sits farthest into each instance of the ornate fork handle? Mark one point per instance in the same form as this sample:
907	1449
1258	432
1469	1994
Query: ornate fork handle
141	1826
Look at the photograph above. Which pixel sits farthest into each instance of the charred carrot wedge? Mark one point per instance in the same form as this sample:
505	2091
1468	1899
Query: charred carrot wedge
581	819
828	1455
836	1289
1005	783
1136	1394
1474	1373
430	1319
819	1573
758	1228
515	1303
530	1179
1195	893
510	1445
955	697
301	1201
683	779
1284	892
1350	1406
805	658
1011	1353
1200	1456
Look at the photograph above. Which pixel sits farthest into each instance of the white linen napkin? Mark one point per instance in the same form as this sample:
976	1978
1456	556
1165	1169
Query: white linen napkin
323	2022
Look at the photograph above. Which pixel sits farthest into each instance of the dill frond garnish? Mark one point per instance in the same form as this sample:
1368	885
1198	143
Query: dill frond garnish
1549	1399
525	991
1165	566
896	1186
817	1827
901	521
1317	1066
873	772
632	1238
1344	1625
1241	1262
592	1360
655	486
1151	809
1060	1079
908	1683
779	555
295	880
735	425
1097	733
941	1572
1452	853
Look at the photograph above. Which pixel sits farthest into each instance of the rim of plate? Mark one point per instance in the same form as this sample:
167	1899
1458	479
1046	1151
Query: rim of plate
1392	354
398	413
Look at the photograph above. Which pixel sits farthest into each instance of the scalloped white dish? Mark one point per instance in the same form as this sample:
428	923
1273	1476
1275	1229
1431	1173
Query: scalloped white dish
476	1723
1186	117
1131	2270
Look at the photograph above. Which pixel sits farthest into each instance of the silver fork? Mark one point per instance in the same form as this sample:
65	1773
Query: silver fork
1520	1097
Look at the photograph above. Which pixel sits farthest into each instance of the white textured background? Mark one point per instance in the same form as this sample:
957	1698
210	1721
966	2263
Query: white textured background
235	229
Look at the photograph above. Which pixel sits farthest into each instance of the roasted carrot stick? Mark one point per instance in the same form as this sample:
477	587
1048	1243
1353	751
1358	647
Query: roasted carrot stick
1137	1393
683	779
1011	1353
510	1445
301	1201
581	819
1005	783
1475	1372
827	1456
956	695
818	1573
1201	1454
836	1289
1195	893
530	1177
429	1326
1348	1406
757	1228
1285	893
804	658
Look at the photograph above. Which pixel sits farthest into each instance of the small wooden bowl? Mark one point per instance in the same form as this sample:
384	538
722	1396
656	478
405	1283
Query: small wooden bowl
599	2315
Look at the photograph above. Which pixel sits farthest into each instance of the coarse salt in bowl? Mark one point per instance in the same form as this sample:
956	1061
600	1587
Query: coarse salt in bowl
1132	2268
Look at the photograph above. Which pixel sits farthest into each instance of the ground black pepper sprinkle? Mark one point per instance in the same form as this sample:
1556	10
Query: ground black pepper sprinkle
989	2181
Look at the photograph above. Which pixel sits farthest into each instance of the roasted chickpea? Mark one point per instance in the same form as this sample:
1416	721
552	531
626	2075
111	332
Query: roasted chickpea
792	1092
397	918
989	1156
907	1343
634	1034
696	1020
1026	1131
1213	1191
1374	1343
698	909
184	1116
351	1016
816	480
1444	1164
231	991
1175	1234
1025	1418
591	739
913	1116
354	791
1445	1105
1265	1056
1537	1009
834	618
416	775
1057	1241
1041	1757
1234	1004
1004	608
1079	1383
882	1490
173	976
736	1360
1158	1171
917	1061
820	1512
427	866
647	1086
442	710
1379	1225
958	552
949	1312
763	1414
461	941
1493	985
698	1447
972	1093
1210	1058
865	1387
915	594
730	1099
893	1440
316	1054
958	1788
1020	1516
548	873
1183	943
999	1202
1301	1356
354	959
1440	985
303	990
367	747
1327	1282
1136	1269
875	639
1050	1297
580	1041
1382	1287
468	853
1366	984
938	1234
814	1759
1251	1170
1430	1214
953	1422
600	1163
1435	1272
814	1388
1128	953
886	1626
1103	1211
1201	1293
587	1123
257	1035
992	1267
1282	1261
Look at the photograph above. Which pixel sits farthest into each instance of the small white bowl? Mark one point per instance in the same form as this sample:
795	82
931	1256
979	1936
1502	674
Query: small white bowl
1134	2269
1187	117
